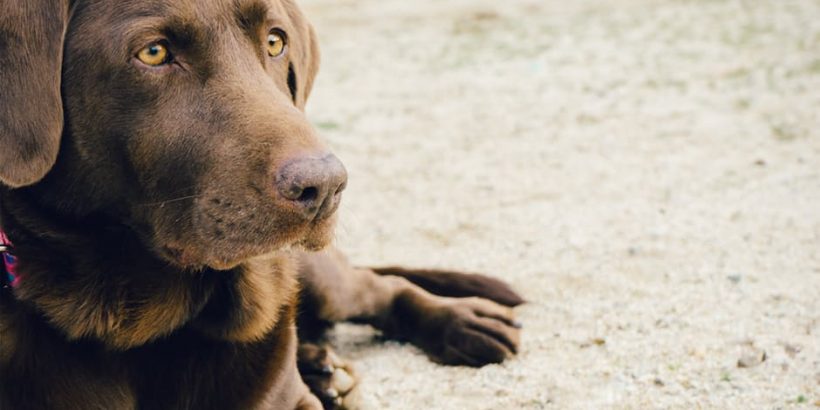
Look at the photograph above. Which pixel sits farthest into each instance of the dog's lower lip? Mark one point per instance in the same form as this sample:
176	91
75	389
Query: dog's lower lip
216	257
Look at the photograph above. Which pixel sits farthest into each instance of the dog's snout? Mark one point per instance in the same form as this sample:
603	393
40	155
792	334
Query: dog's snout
312	185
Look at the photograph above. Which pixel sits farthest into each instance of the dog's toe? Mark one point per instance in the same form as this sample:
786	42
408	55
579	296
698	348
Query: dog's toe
329	377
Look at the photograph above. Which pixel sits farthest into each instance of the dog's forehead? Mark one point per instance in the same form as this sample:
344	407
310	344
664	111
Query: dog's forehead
202	13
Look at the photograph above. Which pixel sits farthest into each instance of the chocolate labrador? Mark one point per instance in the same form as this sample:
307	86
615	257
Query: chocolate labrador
165	211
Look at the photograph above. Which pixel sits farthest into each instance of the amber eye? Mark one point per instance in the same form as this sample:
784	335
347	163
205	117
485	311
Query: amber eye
276	43
154	54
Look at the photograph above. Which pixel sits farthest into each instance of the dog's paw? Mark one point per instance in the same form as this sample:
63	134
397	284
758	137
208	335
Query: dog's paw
464	331
329	377
476	332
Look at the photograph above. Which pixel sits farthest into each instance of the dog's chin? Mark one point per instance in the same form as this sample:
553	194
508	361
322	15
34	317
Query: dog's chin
319	237
226	256
191	258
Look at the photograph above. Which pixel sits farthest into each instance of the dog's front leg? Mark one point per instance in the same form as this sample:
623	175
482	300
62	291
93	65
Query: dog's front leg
451	330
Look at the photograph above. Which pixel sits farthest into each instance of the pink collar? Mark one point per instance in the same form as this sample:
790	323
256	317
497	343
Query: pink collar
9	262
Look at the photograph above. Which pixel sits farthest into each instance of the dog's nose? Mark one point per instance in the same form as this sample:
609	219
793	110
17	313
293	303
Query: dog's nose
313	185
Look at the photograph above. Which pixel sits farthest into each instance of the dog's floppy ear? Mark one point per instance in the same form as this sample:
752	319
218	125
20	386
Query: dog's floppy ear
31	110
304	55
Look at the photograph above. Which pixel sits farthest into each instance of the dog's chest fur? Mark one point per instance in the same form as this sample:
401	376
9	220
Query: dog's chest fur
97	321
185	370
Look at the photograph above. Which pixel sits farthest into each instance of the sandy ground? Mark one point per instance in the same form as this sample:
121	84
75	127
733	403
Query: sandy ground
646	173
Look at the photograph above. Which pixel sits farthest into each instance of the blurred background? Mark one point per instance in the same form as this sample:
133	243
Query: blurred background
646	173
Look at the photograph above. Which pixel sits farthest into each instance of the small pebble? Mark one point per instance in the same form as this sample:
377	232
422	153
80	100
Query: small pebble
598	341
792	350
752	359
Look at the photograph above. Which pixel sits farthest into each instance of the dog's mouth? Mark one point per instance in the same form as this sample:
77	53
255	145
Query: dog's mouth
221	255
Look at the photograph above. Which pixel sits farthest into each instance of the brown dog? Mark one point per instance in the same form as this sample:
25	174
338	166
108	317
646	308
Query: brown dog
163	190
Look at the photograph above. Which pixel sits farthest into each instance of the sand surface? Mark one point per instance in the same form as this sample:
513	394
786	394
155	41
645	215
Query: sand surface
646	173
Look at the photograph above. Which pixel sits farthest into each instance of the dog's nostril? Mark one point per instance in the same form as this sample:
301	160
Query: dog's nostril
308	194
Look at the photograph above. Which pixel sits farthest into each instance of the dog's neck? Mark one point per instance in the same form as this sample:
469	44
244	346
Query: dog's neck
94	279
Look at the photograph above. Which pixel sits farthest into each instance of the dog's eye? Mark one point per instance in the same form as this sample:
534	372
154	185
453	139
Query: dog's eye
276	43
154	54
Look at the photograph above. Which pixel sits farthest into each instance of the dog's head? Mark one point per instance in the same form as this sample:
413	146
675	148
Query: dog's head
182	119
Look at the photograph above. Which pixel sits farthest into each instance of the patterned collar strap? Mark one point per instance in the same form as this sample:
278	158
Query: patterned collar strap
9	264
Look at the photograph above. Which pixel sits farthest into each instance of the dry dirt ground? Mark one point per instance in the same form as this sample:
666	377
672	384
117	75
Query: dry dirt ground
646	173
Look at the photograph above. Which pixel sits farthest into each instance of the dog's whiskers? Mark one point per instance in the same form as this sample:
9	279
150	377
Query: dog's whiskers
162	203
